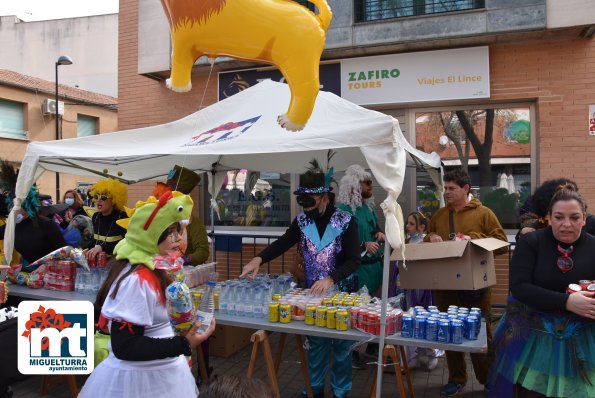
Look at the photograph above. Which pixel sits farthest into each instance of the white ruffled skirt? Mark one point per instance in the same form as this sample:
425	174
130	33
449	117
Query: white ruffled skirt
114	378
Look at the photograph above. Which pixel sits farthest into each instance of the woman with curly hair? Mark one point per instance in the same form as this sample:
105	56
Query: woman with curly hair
110	197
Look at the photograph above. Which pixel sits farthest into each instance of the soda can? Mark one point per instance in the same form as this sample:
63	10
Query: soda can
273	312
573	288
443	335
331	317
442	315
406	326
475	309
472	328
456	331
310	316
584	283
285	313
342	322
196	297
432	329
419	327
464	309
321	316
276	297
391	323
453	307
591	287
431	308
92	261
327	302
374	323
299	313
102	260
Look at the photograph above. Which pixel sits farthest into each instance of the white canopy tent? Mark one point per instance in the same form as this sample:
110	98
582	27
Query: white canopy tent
240	132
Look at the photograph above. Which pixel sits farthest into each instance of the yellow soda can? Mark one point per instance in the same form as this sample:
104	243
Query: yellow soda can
321	316
342	321
273	312
327	302
276	297
285	313
216	299
310	318
331	314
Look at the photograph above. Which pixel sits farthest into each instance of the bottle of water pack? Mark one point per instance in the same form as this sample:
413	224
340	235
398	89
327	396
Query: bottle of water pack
231	298
248	301
239	299
223	298
207	302
257	304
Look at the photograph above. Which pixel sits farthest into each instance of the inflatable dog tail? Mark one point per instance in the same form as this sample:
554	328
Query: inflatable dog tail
324	13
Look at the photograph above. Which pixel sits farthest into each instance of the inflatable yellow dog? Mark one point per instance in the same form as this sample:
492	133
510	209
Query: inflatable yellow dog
278	32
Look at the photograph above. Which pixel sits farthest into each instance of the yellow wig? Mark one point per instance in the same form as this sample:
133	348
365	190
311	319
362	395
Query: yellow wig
113	188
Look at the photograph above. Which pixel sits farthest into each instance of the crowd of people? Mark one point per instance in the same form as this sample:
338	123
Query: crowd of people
544	345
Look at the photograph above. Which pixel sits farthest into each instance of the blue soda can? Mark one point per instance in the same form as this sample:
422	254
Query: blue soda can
471	326
406	326
476	309
452	312
419	327
475	313
453	307
452	317
443	315
463	309
456	331
432	307
432	329
443	335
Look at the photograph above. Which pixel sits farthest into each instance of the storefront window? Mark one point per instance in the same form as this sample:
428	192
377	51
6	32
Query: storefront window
373	10
492	144
254	199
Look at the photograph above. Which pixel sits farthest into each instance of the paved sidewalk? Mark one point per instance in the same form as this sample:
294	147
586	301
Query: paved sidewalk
426	384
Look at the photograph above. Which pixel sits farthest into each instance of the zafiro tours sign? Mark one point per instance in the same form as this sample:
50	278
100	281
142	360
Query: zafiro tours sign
415	77
55	337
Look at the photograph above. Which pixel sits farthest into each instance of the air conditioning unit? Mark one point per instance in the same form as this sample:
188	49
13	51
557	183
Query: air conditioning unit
48	107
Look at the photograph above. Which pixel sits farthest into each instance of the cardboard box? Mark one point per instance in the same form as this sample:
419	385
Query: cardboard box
451	265
227	340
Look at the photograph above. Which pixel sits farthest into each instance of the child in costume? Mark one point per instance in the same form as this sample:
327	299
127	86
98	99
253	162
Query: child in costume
110	197
145	359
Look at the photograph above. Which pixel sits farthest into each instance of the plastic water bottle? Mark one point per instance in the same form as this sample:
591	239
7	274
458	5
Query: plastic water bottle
223	298
249	301
239	299
207	302
231	298
257	303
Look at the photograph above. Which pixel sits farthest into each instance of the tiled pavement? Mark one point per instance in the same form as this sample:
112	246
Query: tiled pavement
426	384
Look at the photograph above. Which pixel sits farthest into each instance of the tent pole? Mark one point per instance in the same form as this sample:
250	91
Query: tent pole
212	216
385	280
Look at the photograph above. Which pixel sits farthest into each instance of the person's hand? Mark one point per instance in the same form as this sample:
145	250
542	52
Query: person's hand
526	230
251	269
380	237
372	247
582	304
435	238
92	253
194	338
321	286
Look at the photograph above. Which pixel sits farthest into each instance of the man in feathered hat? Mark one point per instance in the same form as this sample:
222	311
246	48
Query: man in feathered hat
185	180
329	242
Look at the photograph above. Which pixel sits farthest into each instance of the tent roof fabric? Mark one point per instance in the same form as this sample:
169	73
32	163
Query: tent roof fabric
240	132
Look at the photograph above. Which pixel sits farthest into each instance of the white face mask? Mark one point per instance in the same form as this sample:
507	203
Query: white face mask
19	217
69	201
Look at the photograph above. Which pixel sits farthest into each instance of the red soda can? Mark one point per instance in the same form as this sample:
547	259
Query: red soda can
391	323
591	287
584	283
354	316
573	288
374	323
101	260
92	261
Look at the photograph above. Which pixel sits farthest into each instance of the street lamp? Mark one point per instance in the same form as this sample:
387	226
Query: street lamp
63	60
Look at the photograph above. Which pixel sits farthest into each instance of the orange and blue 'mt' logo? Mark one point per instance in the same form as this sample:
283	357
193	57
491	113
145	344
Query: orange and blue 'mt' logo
56	337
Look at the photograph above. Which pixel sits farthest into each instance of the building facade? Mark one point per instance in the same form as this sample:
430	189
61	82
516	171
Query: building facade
32	48
27	114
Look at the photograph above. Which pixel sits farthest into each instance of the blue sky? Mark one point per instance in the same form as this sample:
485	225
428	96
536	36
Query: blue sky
37	10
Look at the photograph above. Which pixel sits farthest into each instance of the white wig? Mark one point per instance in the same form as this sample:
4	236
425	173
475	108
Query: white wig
350	191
